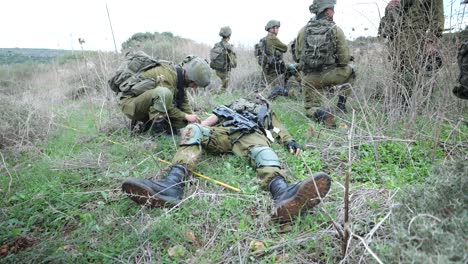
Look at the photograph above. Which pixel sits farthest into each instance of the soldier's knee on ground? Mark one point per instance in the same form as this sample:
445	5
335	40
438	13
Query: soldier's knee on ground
193	134
264	157
162	99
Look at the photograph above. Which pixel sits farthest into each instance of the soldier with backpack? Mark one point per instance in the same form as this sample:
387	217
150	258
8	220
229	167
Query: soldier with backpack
152	93
223	58
269	53
324	61
247	127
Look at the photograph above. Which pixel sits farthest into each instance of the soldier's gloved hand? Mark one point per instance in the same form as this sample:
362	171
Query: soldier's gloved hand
293	147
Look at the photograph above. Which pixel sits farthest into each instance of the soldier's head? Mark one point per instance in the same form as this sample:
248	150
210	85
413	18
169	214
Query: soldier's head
225	32
323	8
197	72
273	26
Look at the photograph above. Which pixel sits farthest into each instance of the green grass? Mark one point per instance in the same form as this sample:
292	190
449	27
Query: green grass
66	195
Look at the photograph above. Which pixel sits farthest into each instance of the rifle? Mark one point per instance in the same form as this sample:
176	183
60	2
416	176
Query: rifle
244	122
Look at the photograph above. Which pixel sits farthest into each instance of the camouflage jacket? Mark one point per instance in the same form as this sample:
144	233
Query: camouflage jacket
275	46
166	76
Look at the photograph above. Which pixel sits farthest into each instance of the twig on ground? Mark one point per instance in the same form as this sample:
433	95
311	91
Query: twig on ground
8	172
344	245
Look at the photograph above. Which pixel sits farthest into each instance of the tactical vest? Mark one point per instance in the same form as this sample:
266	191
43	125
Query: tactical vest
319	51
267	60
260	109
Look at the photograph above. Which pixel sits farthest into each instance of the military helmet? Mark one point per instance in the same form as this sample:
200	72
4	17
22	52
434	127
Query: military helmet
197	70
272	23
318	6
225	32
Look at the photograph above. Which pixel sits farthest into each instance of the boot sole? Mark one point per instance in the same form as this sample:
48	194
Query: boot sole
306	197
142	194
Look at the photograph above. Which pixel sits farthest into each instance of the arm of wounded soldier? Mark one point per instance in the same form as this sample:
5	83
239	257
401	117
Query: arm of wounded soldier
280	131
210	121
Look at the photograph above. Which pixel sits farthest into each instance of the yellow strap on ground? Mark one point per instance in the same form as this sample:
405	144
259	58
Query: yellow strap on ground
193	172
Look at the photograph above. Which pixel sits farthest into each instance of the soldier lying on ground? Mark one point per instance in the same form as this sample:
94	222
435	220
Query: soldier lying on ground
246	127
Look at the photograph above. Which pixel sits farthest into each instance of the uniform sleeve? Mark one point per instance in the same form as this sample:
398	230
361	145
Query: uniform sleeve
167	78
283	134
299	43
274	43
342	48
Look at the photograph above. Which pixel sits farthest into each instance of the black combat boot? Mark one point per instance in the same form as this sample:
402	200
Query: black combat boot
342	103
302	196
325	117
278	91
169	190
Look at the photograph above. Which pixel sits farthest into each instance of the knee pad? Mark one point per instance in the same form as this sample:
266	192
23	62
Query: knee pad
193	134
264	157
162	99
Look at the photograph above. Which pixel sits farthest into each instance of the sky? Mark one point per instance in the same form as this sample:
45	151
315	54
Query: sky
57	24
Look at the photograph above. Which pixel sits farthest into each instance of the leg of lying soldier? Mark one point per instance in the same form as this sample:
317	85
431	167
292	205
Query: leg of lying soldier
289	200
170	190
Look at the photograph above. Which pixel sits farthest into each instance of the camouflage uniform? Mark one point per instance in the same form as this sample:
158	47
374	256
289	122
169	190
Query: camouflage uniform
289	200
277	48
229	57
231	62
410	26
166	102
216	140
315	84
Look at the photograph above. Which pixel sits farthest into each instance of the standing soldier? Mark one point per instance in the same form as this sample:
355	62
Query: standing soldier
324	60
154	96
223	58
412	29
269	52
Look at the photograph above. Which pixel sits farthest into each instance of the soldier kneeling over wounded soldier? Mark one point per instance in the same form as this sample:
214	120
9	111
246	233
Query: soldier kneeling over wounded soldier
247	128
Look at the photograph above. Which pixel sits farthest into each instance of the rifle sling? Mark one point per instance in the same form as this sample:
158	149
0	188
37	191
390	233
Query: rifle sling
180	91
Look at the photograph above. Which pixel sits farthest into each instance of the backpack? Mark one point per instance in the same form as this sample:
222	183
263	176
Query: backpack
319	45
261	53
129	74
218	57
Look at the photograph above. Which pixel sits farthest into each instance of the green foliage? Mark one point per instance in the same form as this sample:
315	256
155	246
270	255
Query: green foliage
20	56
138	38
430	222
393	163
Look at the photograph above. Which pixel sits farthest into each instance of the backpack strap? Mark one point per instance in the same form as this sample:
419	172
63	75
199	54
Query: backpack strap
180	91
